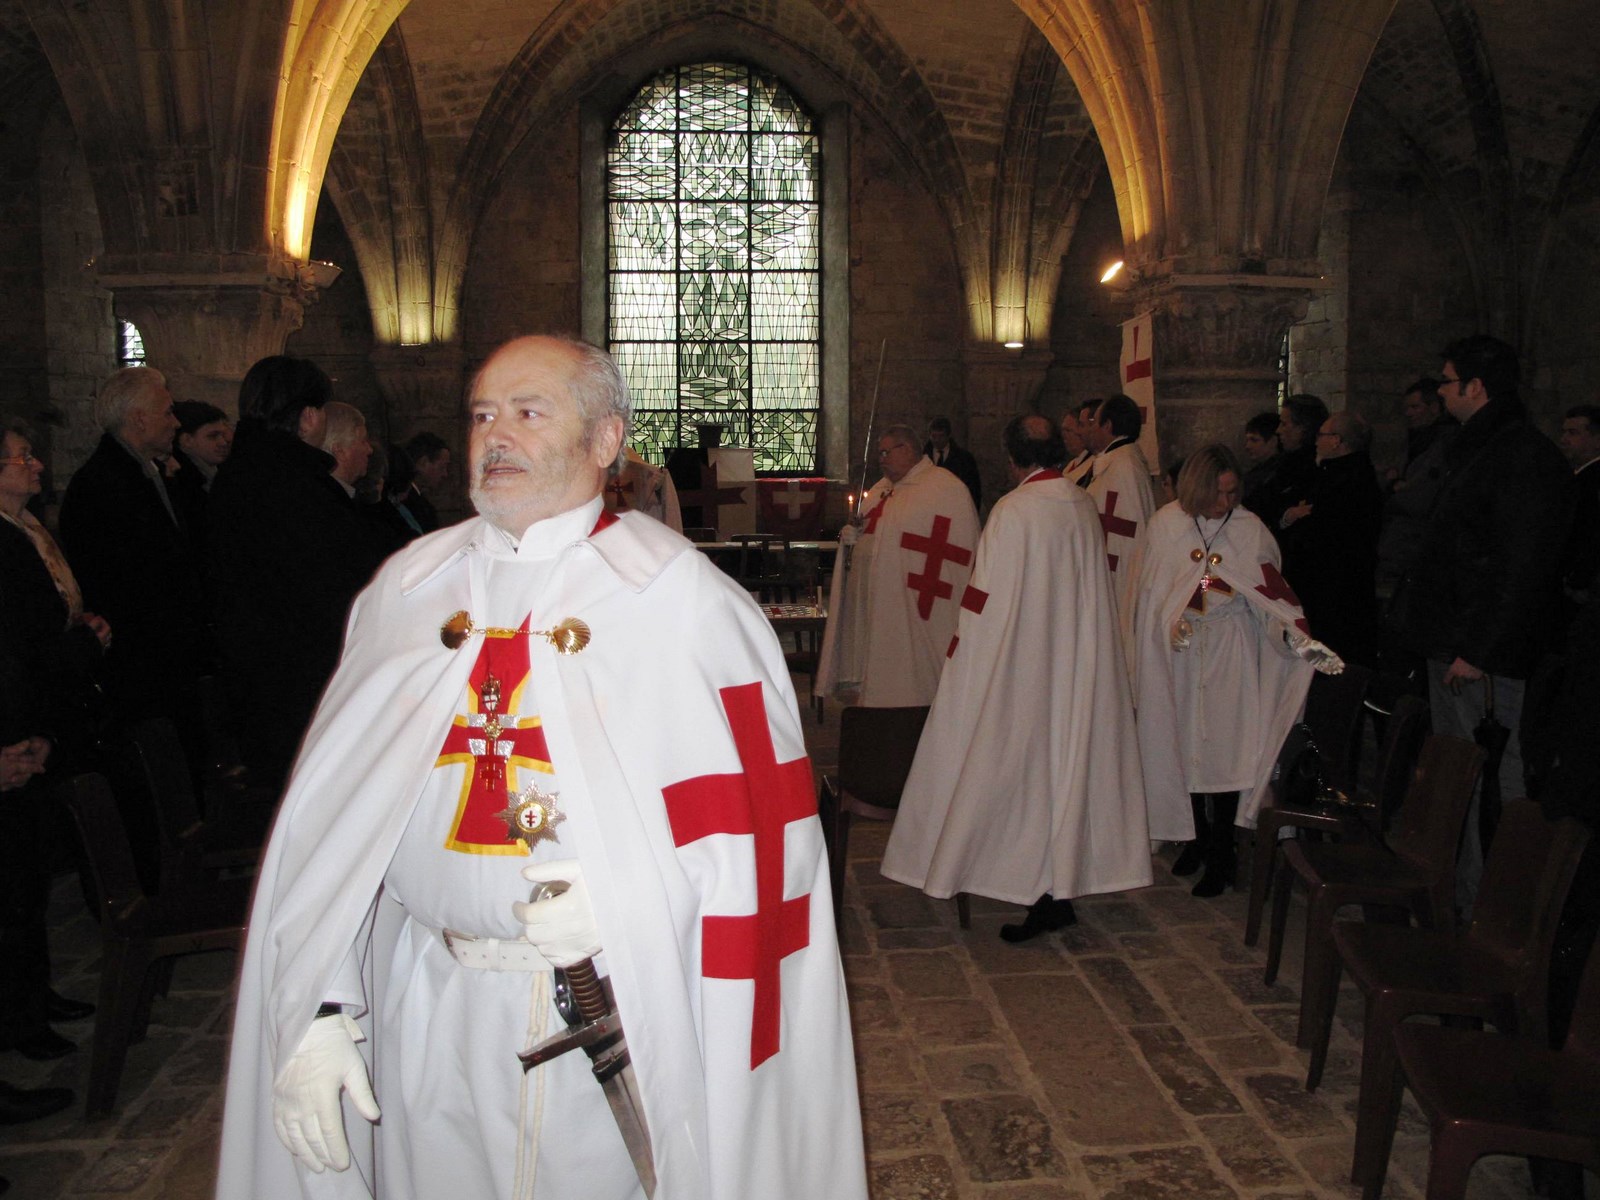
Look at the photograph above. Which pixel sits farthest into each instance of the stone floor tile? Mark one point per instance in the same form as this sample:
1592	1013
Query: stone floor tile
1281	1022
41	1174
1292	1111
1122	992
994	956
1171	1173
1096	1085
1326	1161
1246	1050
872	1010
1114	915
893	906
1032	1190
1224	945
948	1022
123	1168
896	1121
1172	907
1002	1137
1193	1084
853	938
1200	1003
970	1071
1082	939
919	975
1245	983
920	1177
1146	947
915	939
886	1064
1249	1153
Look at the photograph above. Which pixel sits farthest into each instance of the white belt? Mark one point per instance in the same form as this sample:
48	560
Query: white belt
491	954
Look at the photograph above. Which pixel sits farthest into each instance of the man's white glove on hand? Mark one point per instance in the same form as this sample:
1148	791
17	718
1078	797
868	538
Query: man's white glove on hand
849	535
1314	652
305	1099
562	927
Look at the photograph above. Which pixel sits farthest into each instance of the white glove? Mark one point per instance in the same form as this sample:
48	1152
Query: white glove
849	535
1314	652
305	1099
1182	634
562	927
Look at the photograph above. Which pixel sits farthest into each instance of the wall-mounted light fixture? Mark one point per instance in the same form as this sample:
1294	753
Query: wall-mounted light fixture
1112	272
1013	345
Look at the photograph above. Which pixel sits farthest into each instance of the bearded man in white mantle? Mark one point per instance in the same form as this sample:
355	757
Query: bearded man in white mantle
1026	783
897	590
608	711
1223	658
1118	481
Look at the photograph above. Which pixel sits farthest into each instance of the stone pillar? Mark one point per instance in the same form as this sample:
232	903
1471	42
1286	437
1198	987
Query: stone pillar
1000	384
1217	344
424	389
204	332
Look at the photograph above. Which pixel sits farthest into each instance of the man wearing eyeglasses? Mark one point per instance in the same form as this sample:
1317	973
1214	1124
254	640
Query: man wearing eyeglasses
1480	598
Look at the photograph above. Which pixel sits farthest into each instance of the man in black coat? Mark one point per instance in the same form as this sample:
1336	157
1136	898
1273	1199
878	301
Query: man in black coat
1294	480
1580	442
1480	599
943	450
132	554
1330	541
289	552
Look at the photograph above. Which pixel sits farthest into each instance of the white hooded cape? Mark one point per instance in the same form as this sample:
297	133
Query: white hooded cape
1027	779
661	616
1123	496
890	619
1166	574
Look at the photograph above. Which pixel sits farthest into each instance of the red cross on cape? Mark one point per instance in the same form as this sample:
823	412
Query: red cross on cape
939	549
875	512
1111	524
492	763
759	801
1275	587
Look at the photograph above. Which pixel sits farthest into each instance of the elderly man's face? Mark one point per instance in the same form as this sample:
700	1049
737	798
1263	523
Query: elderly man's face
350	460
1072	435
527	446
1580	441
896	458
150	424
1329	443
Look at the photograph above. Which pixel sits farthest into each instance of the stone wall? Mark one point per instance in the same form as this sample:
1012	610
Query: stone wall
23	373
1086	334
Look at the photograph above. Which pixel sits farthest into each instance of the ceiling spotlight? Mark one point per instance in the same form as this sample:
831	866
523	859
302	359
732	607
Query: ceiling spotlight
1013	345
1112	272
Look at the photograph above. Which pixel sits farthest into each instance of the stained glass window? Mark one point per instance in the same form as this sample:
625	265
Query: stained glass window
714	252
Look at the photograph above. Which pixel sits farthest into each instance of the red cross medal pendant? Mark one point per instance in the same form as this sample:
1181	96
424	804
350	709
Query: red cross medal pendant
532	815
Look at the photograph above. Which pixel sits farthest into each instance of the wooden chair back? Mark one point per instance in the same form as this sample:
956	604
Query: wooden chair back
1333	714
1427	827
105	845
876	749
1397	759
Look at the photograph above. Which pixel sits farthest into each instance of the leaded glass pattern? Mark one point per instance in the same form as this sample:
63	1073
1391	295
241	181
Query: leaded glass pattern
714	266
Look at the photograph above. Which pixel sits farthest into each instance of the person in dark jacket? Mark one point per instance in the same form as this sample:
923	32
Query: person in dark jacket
204	440
1330	541
1298	421
943	450
289	553
130	549
1413	488
1480	599
430	465
1264	454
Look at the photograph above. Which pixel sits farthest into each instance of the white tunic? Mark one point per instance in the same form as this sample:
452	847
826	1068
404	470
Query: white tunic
1027	777
895	595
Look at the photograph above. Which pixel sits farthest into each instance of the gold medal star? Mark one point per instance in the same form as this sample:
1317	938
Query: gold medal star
532	815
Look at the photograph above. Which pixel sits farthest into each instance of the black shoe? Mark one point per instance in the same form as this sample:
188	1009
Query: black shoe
1188	862
58	1008
1214	882
42	1045
22	1104
1045	915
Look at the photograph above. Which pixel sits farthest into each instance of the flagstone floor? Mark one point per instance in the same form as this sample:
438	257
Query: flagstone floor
1135	1056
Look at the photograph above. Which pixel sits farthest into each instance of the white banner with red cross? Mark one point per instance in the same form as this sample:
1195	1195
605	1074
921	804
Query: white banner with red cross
792	508
1137	374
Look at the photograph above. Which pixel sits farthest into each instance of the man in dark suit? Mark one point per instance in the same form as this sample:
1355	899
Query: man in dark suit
1580	442
132	554
430	461
942	449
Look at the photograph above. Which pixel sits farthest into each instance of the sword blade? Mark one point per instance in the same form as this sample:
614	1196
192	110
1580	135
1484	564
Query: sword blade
627	1108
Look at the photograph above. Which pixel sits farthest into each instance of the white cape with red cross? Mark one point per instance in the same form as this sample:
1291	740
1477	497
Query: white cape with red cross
676	738
1027	778
1166	573
893	604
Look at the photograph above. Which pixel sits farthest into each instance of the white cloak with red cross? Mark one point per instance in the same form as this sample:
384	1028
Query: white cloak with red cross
1123	495
892	609
677	748
1027	777
641	487
1213	716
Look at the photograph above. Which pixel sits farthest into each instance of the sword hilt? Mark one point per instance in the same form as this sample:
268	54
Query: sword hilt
588	993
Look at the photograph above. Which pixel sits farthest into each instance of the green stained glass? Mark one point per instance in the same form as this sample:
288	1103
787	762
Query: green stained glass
713	234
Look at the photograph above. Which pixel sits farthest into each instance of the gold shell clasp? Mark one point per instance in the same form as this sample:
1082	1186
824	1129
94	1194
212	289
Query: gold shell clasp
569	636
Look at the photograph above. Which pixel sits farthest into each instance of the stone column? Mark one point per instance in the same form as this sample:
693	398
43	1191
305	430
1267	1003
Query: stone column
1000	384
1217	345
204	331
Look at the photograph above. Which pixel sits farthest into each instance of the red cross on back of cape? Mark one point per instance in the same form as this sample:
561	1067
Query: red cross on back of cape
494	745
876	511
939	549
709	497
618	491
1110	523
760	801
1275	587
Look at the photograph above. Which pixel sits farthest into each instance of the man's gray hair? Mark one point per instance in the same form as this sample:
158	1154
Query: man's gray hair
601	392
121	392
902	433
346	422
1352	429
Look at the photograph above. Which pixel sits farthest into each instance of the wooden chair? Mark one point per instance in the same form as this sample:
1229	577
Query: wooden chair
876	748
1495	970
140	932
193	846
1485	1093
1414	872
763	565
1333	714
